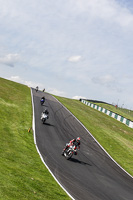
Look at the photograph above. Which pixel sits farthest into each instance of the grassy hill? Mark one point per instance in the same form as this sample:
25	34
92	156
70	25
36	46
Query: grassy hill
22	173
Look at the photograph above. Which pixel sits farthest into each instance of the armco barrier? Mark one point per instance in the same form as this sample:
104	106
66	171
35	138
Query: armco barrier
110	113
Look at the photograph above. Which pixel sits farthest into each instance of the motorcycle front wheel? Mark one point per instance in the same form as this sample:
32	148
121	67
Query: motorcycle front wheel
68	155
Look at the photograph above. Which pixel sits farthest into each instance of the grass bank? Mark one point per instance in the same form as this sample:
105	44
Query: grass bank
22	173
114	136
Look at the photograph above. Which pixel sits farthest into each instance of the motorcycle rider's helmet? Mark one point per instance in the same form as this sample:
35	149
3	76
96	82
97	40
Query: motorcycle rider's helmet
46	111
78	140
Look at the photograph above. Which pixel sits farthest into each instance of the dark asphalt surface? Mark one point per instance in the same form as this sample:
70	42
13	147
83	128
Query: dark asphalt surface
91	175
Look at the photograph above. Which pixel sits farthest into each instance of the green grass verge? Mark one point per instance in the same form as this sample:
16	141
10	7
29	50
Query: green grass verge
115	137
22	173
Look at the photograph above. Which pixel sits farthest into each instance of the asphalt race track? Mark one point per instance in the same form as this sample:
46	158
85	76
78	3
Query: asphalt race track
91	175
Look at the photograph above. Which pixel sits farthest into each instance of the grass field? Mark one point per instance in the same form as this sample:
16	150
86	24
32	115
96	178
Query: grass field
115	137
23	176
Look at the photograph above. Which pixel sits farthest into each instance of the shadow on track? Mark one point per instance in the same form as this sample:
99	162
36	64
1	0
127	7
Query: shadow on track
43	105
47	124
80	162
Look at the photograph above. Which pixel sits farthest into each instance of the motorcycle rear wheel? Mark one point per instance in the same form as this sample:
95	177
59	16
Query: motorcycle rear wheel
43	121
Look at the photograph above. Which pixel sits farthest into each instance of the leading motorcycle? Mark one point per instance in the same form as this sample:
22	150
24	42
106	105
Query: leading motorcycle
37	88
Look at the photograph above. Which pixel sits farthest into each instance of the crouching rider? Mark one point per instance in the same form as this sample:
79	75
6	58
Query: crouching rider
75	142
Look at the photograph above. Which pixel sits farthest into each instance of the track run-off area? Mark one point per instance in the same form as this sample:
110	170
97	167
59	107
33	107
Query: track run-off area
90	175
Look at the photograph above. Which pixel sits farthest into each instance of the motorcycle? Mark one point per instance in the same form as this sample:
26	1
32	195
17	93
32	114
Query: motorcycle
37	88
69	152
44	117
42	101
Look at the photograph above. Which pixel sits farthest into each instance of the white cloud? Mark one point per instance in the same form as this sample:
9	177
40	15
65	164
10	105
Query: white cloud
74	58
56	92
106	10
18	79
108	82
104	80
10	59
79	97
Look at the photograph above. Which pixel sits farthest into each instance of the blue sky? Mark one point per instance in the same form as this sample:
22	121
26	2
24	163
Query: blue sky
72	48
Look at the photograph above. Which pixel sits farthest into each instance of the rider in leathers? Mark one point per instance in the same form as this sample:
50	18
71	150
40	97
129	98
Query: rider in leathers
75	142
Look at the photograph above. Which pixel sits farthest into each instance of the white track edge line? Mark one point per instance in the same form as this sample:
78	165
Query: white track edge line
33	127
95	139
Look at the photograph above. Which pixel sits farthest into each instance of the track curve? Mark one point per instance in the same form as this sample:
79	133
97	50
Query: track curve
91	175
